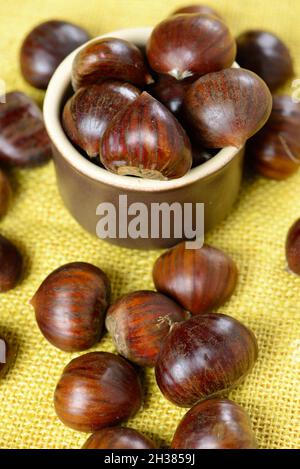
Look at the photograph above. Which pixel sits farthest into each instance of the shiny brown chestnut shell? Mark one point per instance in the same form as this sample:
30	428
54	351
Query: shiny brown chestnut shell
97	390
190	45
198	279
265	54
227	107
70	306
109	58
45	47
24	141
274	151
10	265
139	323
170	92
118	438
90	110
5	193
146	140
215	424
204	357
292	248
203	9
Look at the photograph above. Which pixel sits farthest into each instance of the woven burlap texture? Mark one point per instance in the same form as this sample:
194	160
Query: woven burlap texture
267	298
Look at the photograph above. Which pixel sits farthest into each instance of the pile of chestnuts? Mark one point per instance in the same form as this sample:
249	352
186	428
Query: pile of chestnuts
197	354
153	114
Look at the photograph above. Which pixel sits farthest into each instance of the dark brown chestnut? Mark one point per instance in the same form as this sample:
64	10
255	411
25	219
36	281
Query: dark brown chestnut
45	47
146	140
109	58
204	357
190	45
170	92
118	438
5	356
24	141
70	306
88	112
97	390
198	279
5	193
203	9
274	151
265	54
215	424
227	107
139	323
10	265
292	248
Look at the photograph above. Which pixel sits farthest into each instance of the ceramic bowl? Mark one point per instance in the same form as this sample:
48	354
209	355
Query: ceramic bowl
85	187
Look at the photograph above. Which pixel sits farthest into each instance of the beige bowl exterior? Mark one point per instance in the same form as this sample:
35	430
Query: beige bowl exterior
83	185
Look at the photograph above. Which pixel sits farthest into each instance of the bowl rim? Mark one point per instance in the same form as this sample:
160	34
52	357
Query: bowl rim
57	87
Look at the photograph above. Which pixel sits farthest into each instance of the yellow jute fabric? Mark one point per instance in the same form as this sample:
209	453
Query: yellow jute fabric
267	298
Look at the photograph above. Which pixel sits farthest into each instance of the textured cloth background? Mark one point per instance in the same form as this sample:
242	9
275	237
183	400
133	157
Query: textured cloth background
267	298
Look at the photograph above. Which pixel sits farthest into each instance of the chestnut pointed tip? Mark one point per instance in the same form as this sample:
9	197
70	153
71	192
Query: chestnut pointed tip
180	75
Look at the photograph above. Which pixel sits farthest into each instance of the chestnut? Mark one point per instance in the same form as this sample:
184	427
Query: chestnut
97	390
227	107
45	47
10	265
5	356
70	306
274	151
292	248
139	323
170	92
204	9
190	45
5	193
215	424
24	141
88	112
145	140
109	58
198	279
265	54
204	357
118	438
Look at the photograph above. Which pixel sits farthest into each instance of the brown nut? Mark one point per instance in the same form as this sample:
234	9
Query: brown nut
139	322
70	306
97	390
198	279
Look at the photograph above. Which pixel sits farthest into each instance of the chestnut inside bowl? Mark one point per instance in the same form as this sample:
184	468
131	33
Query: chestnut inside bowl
83	185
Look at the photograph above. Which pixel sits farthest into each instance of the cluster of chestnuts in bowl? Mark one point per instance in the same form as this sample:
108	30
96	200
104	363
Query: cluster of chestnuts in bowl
153	113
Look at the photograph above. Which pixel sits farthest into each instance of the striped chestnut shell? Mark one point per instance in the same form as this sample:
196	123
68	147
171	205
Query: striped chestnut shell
204	357
215	424
118	438
147	141
109	58
97	390
274	151
24	141
70	306
139	323
90	110
198	279
228	107
190	45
